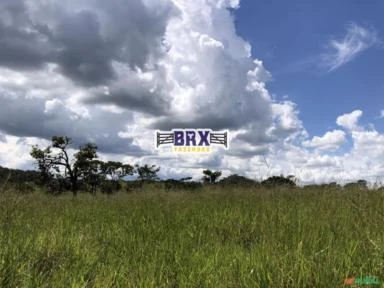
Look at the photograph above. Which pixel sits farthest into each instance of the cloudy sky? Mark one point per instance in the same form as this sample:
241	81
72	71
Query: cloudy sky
299	85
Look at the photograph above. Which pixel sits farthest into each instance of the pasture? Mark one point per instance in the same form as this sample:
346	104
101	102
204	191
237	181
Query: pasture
217	237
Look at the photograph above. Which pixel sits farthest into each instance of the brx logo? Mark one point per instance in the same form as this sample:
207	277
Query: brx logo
191	140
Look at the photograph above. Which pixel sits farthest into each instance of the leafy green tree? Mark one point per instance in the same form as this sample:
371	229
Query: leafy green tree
91	175
116	171
276	181
211	176
359	185
112	173
237	180
147	172
58	162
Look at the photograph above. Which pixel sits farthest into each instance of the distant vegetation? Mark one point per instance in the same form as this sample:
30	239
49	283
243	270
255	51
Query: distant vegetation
85	172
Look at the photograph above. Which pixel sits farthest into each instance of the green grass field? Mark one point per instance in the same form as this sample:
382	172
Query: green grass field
214	238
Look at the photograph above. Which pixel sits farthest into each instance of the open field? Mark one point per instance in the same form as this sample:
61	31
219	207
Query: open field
214	238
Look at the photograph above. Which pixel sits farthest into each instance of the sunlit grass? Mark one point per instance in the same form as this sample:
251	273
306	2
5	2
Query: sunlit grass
215	238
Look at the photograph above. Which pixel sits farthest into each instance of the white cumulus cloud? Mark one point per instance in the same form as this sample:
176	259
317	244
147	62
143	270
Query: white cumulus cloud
350	121
331	140
113	72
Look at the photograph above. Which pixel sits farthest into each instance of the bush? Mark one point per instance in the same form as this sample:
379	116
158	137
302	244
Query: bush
132	186
177	185
109	187
25	187
238	181
56	186
278	181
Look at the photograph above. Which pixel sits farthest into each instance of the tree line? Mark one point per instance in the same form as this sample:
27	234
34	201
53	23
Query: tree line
58	171
85	171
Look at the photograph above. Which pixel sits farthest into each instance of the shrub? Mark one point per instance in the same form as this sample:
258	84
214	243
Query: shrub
278	181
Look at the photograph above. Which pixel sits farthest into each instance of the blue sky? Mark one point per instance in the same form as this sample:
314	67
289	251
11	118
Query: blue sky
307	101
290	36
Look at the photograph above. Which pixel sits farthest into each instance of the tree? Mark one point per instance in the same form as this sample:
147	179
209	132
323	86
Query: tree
112	173
59	163
237	180
275	181
116	171
92	176
363	184
147	172
359	185
211	176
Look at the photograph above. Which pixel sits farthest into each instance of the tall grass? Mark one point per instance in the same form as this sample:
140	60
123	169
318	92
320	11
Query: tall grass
216	238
